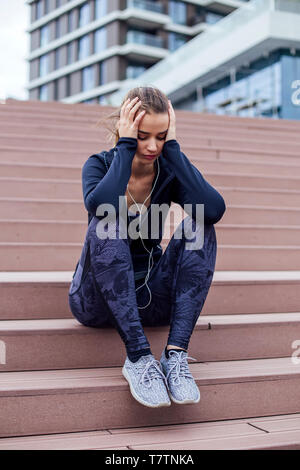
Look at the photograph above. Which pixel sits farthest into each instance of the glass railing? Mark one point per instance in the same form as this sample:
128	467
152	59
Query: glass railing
138	37
146	5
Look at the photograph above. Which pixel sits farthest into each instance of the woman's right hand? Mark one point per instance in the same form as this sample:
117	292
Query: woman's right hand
127	126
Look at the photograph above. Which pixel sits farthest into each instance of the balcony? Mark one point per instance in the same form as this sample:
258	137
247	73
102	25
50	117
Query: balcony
144	47
222	6
145	14
138	37
145	5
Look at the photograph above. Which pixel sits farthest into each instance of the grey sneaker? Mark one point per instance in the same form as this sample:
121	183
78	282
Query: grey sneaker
181	384
146	381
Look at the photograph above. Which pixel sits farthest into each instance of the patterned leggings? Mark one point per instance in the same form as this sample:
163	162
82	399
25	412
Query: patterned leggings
102	292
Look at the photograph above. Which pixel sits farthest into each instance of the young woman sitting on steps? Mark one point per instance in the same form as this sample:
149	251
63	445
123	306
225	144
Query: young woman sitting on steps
129	282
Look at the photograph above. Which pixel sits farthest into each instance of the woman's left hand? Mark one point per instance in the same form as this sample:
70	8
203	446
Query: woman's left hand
172	123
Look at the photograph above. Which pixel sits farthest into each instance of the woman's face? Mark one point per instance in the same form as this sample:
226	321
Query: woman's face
152	133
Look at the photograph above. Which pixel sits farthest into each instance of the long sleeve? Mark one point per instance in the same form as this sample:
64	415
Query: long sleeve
100	186
190	186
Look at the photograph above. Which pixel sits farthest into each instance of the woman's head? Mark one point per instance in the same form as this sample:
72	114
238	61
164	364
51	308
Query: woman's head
154	124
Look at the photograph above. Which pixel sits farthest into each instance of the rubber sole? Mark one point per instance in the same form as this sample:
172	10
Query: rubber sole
137	398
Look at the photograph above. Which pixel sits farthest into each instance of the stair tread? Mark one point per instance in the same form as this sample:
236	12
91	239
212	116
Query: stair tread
71	325
110	378
285	425
219	276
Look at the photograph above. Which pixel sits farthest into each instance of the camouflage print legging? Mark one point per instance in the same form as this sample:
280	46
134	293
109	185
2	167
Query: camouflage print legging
102	292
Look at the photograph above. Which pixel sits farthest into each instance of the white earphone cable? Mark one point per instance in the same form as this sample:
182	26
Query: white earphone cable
139	232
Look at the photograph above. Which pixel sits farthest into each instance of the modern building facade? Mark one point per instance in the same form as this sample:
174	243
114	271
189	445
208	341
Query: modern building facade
246	65
84	50
219	56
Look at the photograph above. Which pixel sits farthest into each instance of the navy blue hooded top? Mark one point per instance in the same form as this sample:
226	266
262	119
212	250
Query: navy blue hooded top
105	177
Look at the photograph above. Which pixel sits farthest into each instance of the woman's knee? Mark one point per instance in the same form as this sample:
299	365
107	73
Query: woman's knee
196	234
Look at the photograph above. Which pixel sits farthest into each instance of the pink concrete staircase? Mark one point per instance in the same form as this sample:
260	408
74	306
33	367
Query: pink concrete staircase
61	385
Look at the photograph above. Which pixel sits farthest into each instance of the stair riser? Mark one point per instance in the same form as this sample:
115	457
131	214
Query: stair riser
73	190
100	408
72	125
64	257
47	141
27	171
89	347
40	300
253	182
12	153
75	233
75	210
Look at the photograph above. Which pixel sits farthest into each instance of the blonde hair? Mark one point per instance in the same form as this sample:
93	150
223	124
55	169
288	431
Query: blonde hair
153	100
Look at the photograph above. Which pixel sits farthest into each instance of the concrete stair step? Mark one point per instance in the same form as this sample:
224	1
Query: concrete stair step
27	230
75	156
41	125
257	234
14	186
73	209
271	432
68	142
44	295
56	109
66	344
55	256
43	209
265	197
83	399
69	171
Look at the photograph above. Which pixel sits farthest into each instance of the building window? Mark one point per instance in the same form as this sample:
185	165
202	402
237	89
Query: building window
88	81
84	47
134	70
90	101
58	3
68	85
44	35
103	73
84	15
70	53
177	11
43	93
102	99
46	7
44	65
100	40
212	18
55	90
57	28
38	9
57	59
175	41
70	21
255	93
100	9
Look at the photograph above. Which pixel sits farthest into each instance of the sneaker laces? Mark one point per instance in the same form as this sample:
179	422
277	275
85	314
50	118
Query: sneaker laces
180	364
150	372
